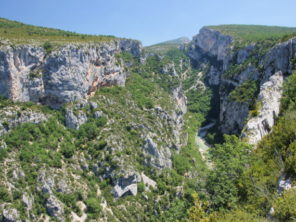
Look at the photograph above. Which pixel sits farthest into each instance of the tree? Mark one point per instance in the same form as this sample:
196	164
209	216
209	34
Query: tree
285	206
230	159
197	212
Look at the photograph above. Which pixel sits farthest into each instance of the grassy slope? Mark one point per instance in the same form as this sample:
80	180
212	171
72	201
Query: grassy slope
256	32
164	47
20	33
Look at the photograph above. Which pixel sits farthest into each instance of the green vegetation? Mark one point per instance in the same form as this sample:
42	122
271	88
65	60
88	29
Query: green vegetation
19	33
240	184
93	206
236	69
4	194
243	183
230	159
245	93
48	47
289	98
285	206
165	47
256	33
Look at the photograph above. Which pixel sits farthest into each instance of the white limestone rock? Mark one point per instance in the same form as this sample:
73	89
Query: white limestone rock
13	116
127	185
75	119
269	99
55	208
71	72
159	158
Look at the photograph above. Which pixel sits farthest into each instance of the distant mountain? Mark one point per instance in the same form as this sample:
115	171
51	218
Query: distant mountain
163	47
178	41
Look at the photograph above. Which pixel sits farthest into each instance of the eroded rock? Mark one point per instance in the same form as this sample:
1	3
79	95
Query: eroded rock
269	101
159	158
13	116
127	185
70	73
75	119
10	214
55	208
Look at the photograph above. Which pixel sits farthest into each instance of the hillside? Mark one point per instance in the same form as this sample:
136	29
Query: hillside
20	33
114	132
256	32
164	47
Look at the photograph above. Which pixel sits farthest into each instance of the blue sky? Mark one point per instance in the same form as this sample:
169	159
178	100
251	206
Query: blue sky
150	21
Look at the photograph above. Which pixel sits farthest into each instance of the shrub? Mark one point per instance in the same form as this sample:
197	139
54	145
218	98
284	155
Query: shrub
68	150
141	187
245	93
285	206
93	205
48	47
4	195
230	159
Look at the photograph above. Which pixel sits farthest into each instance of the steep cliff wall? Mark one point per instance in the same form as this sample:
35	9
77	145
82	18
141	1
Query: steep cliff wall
243	74
69	73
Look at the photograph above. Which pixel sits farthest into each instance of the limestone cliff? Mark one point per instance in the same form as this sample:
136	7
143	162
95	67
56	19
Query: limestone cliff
231	68
269	108
69	73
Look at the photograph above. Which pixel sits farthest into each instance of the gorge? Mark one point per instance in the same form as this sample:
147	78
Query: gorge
99	128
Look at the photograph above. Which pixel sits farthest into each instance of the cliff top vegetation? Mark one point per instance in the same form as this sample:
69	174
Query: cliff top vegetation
251	33
20	33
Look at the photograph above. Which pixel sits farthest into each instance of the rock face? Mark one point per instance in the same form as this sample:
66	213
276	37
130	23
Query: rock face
74	121
159	158
232	115
269	102
3	145
279	58
10	215
148	182
211	45
127	185
169	69
70	73
212	52
11	117
28	201
55	208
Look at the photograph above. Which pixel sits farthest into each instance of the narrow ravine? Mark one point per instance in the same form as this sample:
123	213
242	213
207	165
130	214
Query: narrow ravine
203	146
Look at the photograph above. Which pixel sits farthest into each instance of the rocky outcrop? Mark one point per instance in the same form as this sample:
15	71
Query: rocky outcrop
212	51
269	107
13	116
178	116
46	181
244	53
55	208
279	59
284	184
74	121
169	69
127	185
159	158
10	215
213	46
78	113
149	183
28	201
70	73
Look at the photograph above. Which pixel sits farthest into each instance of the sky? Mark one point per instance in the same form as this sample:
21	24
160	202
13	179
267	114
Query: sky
150	21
